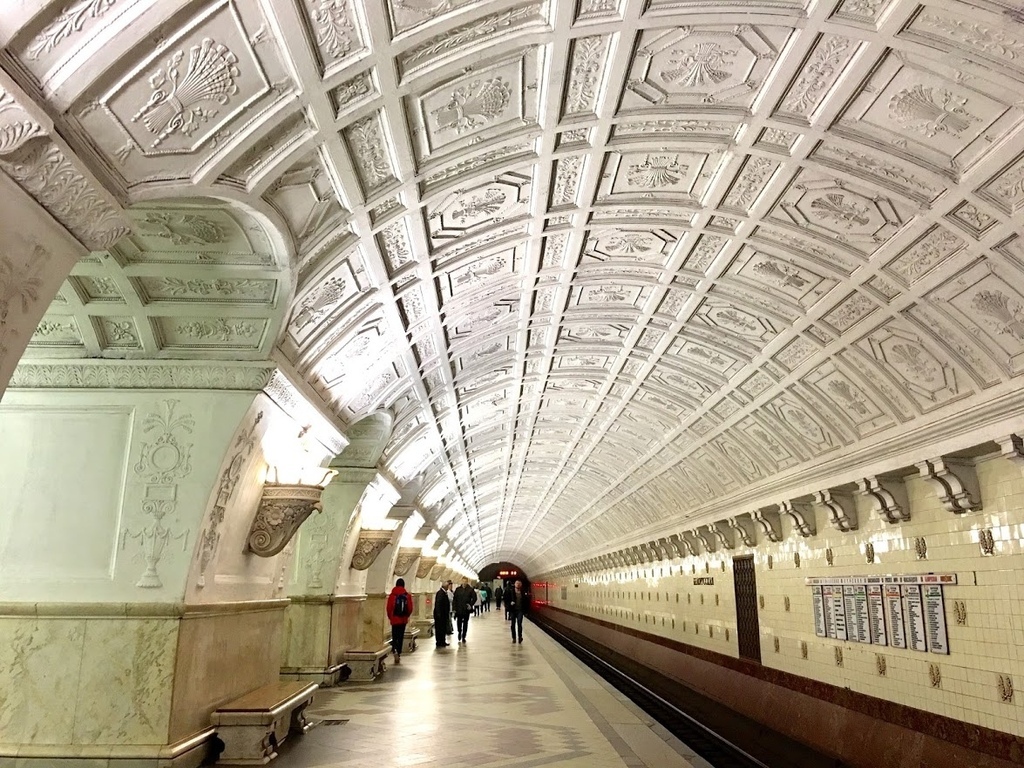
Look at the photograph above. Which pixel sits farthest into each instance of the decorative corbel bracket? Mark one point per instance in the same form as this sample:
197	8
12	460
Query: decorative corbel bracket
841	509
406	557
955	482
726	535
706	539
426	565
744	528
368	547
650	550
665	549
768	521
1012	448
802	516
282	510
888	497
682	545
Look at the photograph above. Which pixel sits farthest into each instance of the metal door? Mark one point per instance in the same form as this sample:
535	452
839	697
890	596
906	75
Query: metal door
748	631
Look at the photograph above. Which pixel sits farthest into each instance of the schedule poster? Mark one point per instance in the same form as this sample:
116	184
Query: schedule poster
894	613
876	614
818	606
860	617
916	630
826	597
935	619
839	614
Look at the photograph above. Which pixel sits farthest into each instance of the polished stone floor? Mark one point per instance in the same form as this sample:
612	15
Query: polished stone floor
485	703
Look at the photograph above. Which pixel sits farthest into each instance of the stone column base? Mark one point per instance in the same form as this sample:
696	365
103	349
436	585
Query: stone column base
187	753
424	625
325	677
367	665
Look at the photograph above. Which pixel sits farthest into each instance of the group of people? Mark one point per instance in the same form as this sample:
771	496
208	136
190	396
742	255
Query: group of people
460	603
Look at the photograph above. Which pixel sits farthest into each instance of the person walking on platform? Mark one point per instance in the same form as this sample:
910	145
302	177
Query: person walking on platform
450	629
485	590
498	594
442	616
399	609
481	593
465	599
516	602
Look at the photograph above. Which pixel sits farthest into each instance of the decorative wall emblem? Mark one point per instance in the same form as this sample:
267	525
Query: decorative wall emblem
163	462
931	110
803	650
881	666
960	613
1005	687
181	97
829	557
869	552
987	541
935	675
209	539
921	548
777	644
838	653
473	105
369	546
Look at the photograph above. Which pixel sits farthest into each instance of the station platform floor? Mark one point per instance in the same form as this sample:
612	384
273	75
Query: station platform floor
487	703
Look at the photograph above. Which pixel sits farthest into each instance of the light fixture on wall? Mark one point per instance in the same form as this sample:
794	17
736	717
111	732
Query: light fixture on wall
290	495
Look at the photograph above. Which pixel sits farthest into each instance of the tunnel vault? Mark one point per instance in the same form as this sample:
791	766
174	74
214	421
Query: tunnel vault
611	268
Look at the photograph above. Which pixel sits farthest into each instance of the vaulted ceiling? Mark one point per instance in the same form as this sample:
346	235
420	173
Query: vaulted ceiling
613	265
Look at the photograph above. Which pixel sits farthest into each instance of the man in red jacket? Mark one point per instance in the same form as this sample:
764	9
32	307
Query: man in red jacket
399	608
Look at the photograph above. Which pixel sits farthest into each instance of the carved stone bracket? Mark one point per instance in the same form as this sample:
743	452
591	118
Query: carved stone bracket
667	552
425	566
650	553
768	521
282	510
724	533
36	161
406	557
802	515
1012	448
682	545
888	497
435	572
842	512
706	539
744	528
955	481
369	546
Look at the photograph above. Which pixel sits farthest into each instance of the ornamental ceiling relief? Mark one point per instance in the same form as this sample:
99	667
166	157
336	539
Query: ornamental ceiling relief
608	265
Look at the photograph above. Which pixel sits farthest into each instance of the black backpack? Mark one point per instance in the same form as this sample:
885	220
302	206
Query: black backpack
402	604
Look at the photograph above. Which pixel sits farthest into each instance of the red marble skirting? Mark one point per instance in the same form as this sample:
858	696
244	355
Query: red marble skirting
864	731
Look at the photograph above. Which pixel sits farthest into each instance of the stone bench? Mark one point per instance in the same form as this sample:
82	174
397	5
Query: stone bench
409	644
252	727
367	665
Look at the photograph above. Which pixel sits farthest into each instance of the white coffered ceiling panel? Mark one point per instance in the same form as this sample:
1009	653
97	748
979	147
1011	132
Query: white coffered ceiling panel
612	264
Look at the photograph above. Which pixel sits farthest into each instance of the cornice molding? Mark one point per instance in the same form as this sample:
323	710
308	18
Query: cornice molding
111	374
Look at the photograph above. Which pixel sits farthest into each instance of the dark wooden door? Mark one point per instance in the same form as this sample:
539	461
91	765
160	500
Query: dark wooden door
748	631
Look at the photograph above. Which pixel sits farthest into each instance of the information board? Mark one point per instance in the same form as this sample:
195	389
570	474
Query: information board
826	596
894	616
876	614
917	636
839	614
935	619
818	607
859	631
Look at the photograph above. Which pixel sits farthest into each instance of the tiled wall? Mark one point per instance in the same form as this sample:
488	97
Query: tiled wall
984	611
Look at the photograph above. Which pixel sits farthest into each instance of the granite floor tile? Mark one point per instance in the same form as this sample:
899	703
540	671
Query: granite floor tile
487	703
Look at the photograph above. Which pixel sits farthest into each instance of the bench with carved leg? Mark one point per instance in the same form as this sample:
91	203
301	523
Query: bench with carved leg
409	644
252	727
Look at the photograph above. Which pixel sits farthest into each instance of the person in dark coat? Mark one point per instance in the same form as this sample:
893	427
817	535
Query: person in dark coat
465	599
516	601
497	597
399	619
442	612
